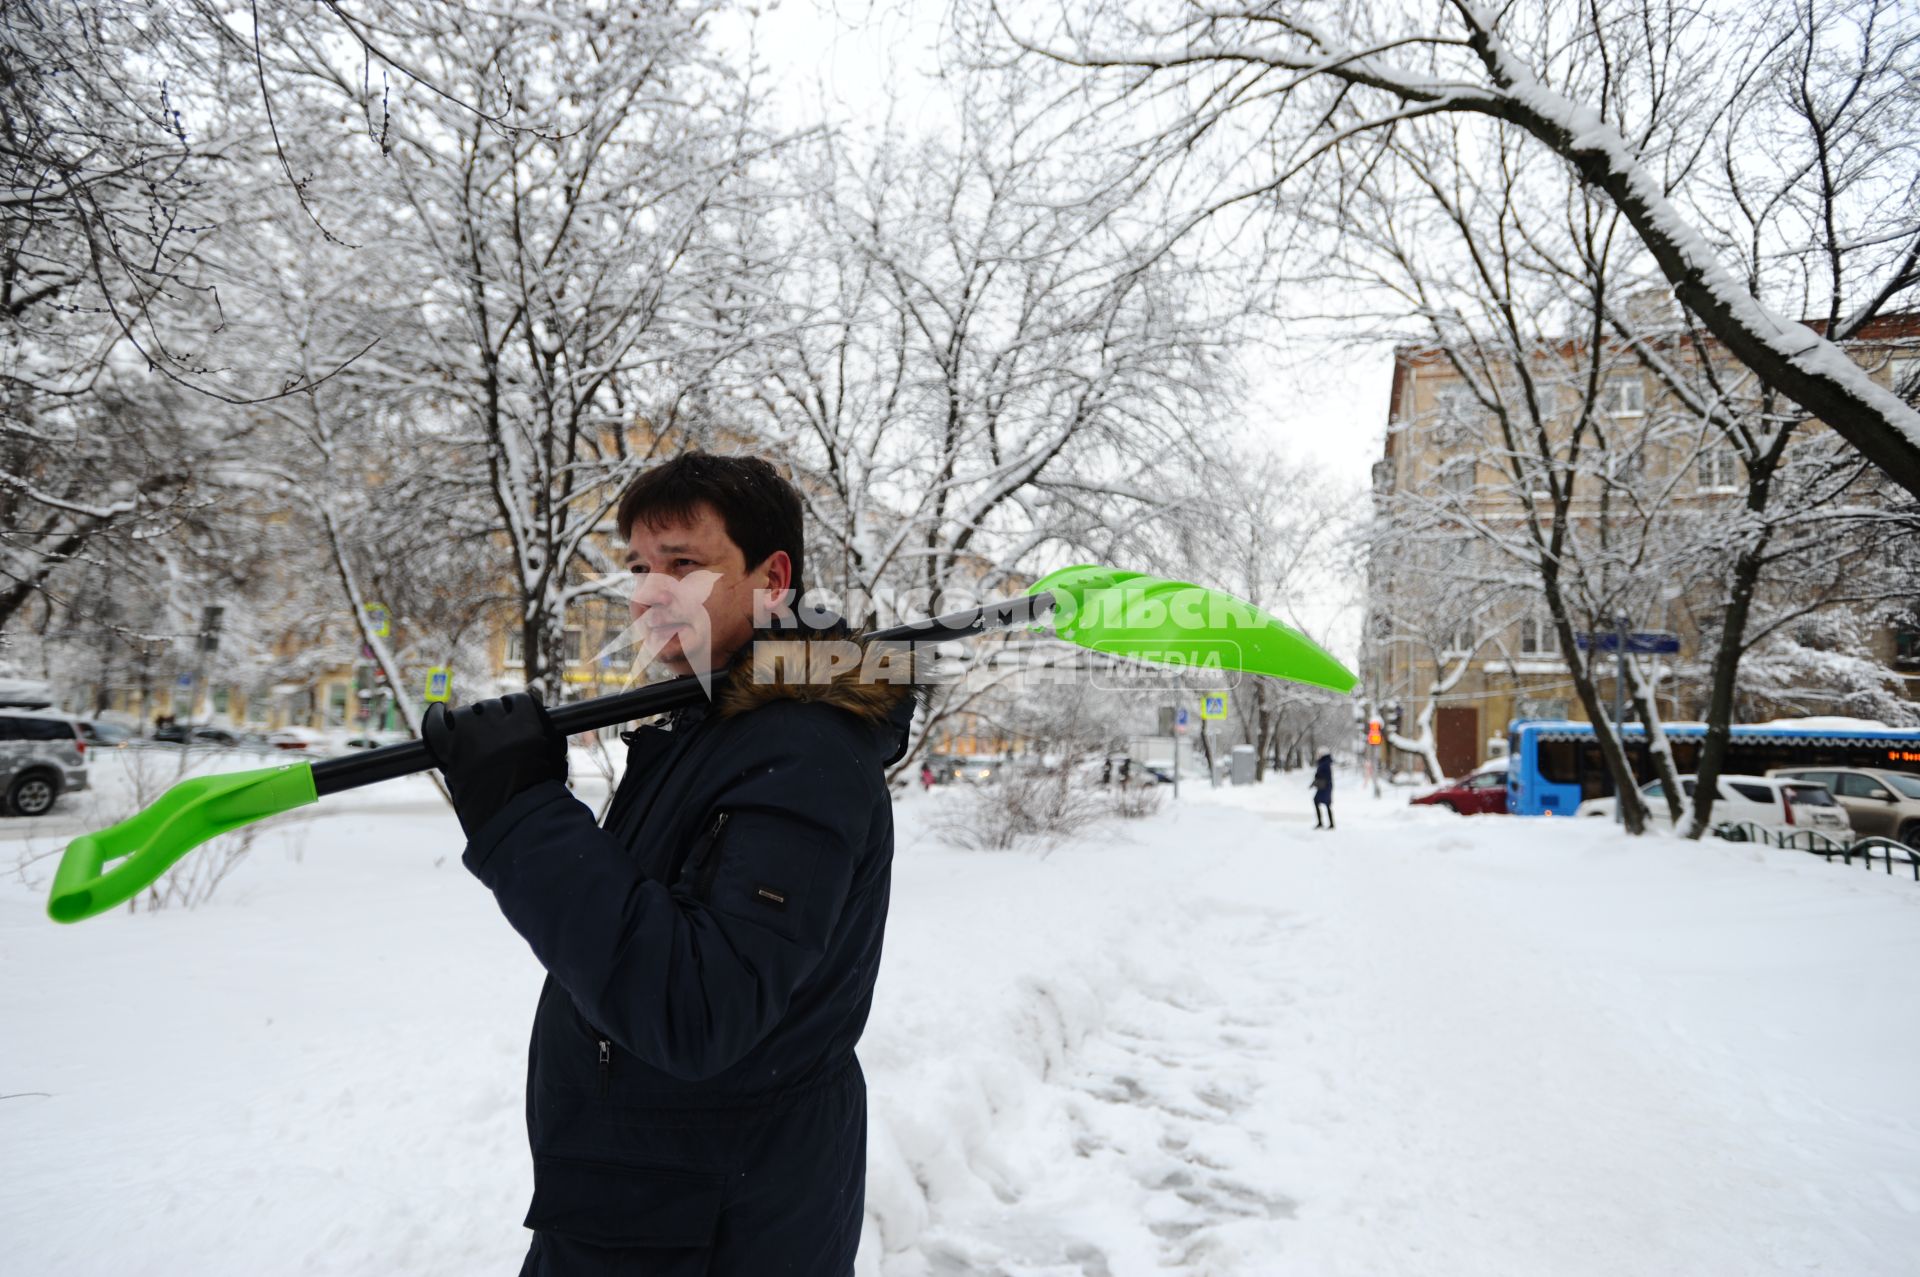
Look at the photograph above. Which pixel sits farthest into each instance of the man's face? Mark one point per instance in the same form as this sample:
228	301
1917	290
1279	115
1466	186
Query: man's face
693	590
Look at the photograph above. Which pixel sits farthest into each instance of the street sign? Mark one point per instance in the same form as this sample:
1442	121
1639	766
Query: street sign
1213	705
1643	643
439	683
378	619
185	680
1180	717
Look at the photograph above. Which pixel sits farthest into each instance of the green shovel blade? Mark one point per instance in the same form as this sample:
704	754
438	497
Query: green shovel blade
1167	622
146	844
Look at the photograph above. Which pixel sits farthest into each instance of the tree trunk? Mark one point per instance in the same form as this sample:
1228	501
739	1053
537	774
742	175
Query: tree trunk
1633	812
1658	751
1731	646
1726	671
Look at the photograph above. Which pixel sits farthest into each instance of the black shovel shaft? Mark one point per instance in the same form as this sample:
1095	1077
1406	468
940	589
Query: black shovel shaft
375	765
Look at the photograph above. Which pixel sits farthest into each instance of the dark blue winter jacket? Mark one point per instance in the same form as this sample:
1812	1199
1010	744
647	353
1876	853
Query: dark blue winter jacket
1323	777
692	1094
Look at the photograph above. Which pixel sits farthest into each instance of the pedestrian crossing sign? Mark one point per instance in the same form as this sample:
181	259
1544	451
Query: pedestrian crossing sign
1213	705
439	683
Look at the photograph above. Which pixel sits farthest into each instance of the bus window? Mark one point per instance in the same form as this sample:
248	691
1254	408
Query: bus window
1556	762
1595	780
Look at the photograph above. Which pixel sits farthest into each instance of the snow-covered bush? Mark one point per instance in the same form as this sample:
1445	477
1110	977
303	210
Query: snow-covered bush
1031	807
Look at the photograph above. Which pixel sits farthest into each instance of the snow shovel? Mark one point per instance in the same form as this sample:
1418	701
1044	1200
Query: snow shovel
1119	613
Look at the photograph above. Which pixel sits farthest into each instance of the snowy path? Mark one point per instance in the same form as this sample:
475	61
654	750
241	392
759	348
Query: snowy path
1214	1042
1418	1053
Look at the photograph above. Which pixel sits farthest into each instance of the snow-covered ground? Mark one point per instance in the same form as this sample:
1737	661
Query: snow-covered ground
1213	1041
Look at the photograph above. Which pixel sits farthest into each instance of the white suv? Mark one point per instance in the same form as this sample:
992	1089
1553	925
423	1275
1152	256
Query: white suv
41	757
1773	801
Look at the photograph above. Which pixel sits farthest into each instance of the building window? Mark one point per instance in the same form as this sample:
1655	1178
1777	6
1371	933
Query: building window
1457	416
1458	477
1547	397
1537	636
1904	376
220	695
1539	479
1623	396
1626	465
337	705
1719	470
1906	646
517	646
1457	641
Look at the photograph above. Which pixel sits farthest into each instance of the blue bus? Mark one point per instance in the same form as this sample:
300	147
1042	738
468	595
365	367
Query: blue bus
1555	765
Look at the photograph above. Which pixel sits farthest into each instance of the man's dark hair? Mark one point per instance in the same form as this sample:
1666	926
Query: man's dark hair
760	509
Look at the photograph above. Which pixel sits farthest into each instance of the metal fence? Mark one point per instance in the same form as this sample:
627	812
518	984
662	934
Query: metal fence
1825	845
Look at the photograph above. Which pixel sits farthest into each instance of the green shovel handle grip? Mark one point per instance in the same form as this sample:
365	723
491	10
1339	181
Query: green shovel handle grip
147	843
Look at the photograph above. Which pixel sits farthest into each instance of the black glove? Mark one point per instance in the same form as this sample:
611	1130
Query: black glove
492	750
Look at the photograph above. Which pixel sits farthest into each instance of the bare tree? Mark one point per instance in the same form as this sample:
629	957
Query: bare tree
1273	532
1590	413
1678	117
975	380
574	268
1436	605
983	375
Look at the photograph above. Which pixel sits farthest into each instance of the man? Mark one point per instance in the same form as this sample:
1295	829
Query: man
1322	785
693	1101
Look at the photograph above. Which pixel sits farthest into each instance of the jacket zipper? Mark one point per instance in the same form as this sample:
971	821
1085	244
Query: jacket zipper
606	1064
708	866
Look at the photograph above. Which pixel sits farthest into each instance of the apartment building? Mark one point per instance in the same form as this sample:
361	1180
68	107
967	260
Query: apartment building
1458	628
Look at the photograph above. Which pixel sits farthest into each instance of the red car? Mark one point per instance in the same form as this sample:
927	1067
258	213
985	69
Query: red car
1477	794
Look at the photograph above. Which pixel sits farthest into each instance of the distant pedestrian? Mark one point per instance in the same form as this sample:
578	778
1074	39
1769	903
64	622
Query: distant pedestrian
926	776
1323	789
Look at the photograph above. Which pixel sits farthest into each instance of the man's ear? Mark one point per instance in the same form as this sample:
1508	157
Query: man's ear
773	588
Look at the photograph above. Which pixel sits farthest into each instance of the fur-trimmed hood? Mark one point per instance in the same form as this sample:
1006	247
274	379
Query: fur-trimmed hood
830	664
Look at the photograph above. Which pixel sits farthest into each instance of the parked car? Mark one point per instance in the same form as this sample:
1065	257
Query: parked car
1478	793
103	735
376	740
1765	800
295	738
1112	769
1876	801
42	756
188	734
